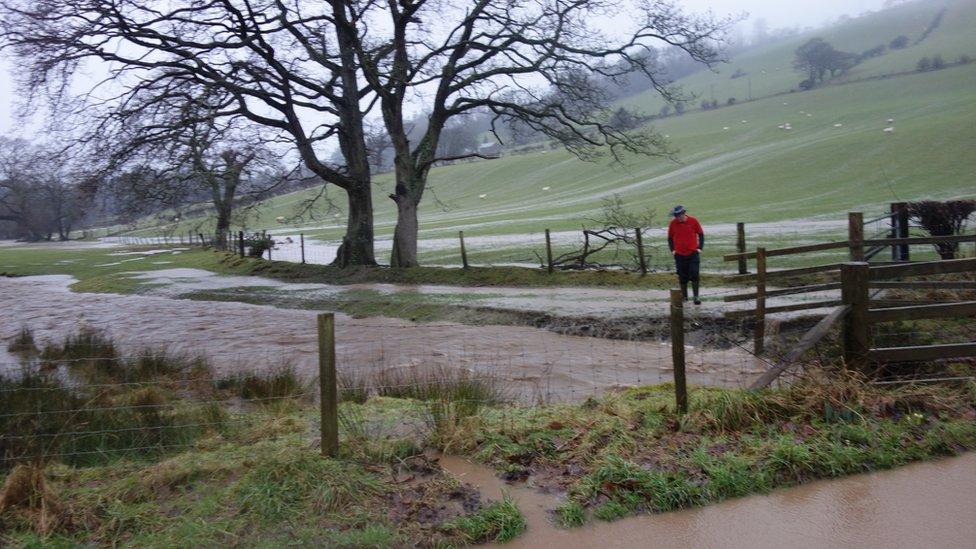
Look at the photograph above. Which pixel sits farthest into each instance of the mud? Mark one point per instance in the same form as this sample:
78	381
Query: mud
921	505
535	363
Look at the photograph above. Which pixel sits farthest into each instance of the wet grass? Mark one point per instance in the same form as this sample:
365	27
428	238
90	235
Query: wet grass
499	522
631	453
244	474
98	271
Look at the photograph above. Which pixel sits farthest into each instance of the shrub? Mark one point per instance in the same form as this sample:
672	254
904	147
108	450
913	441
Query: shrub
924	64
965	60
937	62
257	244
942	219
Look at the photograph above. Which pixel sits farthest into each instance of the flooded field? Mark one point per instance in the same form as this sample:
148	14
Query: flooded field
920	505
535	362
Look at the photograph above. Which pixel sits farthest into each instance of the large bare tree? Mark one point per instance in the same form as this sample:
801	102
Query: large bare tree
539	63
281	64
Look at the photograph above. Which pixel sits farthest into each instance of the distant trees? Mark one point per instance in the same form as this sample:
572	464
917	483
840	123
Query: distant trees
816	58
943	219
876	51
625	120
899	42
933	63
41	197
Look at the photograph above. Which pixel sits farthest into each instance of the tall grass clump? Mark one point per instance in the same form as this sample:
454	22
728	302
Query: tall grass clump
23	343
46	419
280	384
83	403
450	395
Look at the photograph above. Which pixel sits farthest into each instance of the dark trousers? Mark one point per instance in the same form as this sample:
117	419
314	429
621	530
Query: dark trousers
687	268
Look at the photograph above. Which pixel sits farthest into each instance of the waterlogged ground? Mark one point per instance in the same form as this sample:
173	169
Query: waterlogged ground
920	505
606	303
237	336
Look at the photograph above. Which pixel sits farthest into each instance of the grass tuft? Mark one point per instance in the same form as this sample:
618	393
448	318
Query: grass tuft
499	522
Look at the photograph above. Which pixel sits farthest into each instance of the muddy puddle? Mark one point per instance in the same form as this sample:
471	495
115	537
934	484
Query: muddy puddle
922	505
534	363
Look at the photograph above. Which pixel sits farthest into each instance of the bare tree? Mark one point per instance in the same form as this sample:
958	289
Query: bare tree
190	153
287	66
529	61
39	196
611	235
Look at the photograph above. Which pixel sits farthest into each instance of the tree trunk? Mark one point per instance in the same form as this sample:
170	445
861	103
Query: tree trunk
405	234
357	244
223	224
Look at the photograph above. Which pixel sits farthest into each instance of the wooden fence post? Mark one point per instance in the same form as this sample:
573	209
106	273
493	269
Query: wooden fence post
740	246
899	229
240	243
464	252
760	333
549	250
640	252
678	349
856	327
328	390
855	235
301	237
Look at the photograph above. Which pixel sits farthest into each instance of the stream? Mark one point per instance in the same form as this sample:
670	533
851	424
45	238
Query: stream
926	504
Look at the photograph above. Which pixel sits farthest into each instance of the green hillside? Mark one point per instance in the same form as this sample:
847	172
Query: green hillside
769	69
735	164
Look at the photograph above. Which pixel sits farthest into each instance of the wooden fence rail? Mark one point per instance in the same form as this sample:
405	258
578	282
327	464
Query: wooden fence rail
921	312
809	339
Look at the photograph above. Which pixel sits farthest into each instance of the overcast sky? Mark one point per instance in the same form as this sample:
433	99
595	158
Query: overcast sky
777	13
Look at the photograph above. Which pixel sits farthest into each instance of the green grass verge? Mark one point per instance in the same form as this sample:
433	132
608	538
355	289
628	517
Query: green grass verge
98	271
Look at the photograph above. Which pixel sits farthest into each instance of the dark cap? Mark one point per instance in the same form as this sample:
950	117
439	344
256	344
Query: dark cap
678	210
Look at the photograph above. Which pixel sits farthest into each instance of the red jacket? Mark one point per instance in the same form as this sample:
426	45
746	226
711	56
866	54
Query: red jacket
685	238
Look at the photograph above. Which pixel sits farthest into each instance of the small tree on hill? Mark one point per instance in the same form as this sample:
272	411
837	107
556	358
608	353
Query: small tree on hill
817	57
899	43
943	219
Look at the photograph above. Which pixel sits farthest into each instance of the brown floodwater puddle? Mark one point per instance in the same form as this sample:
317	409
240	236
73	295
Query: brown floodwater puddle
535	363
922	505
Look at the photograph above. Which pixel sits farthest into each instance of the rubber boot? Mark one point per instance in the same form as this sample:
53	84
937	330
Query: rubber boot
684	290
694	288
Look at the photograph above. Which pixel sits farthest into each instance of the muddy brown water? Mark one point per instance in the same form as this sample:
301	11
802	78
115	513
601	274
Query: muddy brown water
236	336
917	506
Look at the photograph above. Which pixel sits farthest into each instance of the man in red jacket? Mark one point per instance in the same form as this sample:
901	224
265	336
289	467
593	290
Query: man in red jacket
686	240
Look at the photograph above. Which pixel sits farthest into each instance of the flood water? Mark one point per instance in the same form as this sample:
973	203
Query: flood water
925	505
535	363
